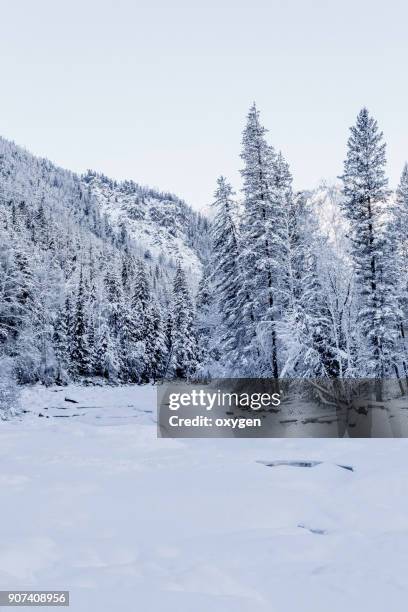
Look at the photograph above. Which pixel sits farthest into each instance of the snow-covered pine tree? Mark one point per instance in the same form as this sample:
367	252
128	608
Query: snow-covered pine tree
168	333
69	324
158	355
225	278
306	329
401	246
317	292
366	193
91	343
128	269
182	361
25	294
9	391
114	301
61	349
142	320
11	308
288	207
129	371
46	302
141	300
401	228
207	323
107	361
262	253
80	356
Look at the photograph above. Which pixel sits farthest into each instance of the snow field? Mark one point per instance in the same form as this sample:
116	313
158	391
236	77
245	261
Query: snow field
127	521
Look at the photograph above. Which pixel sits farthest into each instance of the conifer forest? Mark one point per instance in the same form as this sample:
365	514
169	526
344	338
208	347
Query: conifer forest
111	281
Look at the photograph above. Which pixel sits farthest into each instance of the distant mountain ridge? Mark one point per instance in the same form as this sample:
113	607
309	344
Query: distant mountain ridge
160	224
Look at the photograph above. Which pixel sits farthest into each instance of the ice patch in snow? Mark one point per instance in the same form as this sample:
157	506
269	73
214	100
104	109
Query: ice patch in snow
301	464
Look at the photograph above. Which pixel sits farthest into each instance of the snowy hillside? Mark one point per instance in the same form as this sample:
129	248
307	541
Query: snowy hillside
87	273
159	223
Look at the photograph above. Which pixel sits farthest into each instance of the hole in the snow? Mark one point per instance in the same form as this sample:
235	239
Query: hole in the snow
304	464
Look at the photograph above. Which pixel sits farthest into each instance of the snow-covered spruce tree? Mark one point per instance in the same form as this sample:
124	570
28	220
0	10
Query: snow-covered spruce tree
398	248
401	228
25	294
182	361
141	300
128	269
142	322
168	334
129	370
61	348
320	357
114	301
204	302
10	279
107	362
262	253
225	279
91	343
80	356
306	329
365	189
207	325
402	206
9	392
68	324
46	301
158	353
289	211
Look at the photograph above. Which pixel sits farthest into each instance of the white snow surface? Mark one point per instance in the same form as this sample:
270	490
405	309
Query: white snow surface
98	505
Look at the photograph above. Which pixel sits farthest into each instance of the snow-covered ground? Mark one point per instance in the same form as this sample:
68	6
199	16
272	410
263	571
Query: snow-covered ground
98	505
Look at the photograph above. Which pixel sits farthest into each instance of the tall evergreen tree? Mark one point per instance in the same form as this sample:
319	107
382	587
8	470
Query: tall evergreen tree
141	301
226	278
68	314
91	344
401	229
183	349
397	247
262	254
306	329
365	189
288	207
158	352
80	356
107	359
207	319
114	302
61	349
142	319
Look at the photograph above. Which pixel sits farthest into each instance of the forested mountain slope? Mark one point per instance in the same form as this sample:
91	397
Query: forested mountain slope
86	271
160	223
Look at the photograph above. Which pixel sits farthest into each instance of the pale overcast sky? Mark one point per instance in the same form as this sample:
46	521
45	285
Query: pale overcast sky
158	91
